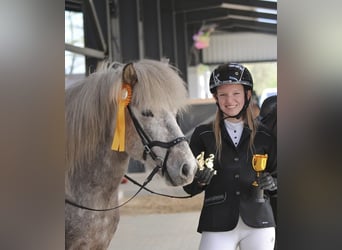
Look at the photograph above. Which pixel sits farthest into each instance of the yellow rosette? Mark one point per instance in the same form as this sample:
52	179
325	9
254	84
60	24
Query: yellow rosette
120	128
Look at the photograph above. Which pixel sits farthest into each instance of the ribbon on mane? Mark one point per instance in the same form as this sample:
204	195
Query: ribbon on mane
120	128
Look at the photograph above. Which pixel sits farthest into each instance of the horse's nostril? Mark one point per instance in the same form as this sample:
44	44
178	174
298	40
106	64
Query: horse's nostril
185	170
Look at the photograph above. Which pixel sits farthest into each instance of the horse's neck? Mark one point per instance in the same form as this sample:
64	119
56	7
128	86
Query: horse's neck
97	181
94	185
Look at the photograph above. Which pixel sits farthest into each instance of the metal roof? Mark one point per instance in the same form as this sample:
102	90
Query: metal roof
231	15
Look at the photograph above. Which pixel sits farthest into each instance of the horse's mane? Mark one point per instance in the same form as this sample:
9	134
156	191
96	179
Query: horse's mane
90	104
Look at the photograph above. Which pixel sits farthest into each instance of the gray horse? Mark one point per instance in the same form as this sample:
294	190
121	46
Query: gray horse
154	93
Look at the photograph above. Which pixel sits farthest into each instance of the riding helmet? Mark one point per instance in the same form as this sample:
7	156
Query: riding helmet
231	73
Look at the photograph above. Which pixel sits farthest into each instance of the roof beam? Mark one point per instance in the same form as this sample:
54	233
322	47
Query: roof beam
248	4
223	14
252	25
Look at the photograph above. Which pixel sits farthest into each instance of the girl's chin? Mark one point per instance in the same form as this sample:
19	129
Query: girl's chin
231	113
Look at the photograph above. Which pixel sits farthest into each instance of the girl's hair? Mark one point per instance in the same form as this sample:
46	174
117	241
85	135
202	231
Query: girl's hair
248	119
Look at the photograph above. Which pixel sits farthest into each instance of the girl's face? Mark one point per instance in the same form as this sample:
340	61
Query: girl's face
231	98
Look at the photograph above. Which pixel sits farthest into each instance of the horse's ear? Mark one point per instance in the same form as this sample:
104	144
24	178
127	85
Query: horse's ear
129	75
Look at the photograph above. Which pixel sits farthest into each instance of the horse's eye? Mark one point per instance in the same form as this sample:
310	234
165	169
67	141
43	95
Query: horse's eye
147	112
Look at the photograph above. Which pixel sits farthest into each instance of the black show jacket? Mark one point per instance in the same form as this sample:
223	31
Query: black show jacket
230	192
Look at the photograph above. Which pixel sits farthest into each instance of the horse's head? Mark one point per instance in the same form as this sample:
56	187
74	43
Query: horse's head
166	145
152	133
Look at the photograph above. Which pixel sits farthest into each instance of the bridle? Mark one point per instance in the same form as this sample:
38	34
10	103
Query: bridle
161	164
149	144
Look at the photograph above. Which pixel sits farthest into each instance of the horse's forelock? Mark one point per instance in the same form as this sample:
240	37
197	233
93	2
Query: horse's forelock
159	86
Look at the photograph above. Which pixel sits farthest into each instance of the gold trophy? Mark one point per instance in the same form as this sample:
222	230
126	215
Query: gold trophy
208	162
259	164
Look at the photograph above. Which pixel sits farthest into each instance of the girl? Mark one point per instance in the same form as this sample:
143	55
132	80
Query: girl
232	214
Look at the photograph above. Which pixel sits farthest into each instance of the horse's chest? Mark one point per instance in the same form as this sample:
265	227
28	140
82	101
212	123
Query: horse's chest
94	230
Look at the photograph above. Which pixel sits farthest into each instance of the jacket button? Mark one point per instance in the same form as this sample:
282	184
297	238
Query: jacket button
236	158
236	176
237	192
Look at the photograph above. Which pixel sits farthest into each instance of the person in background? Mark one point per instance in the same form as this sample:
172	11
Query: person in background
268	117
231	214
268	114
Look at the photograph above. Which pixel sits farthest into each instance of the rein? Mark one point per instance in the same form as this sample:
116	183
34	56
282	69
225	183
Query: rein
147	180
148	145
142	186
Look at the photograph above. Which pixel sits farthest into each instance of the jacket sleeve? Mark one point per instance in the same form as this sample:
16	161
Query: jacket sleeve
272	163
197	146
